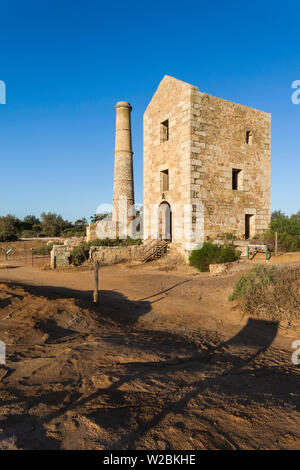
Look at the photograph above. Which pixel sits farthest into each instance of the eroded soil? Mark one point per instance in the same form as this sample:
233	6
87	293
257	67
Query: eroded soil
163	362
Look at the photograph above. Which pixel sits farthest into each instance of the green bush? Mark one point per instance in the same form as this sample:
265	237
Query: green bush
285	224
43	249
228	236
132	241
115	242
286	242
28	234
259	275
288	229
8	237
212	254
73	232
80	253
102	242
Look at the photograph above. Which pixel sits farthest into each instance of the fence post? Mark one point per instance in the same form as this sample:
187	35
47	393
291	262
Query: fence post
276	243
266	252
247	251
96	269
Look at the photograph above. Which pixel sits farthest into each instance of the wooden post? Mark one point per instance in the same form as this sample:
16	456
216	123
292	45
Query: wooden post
276	244
96	268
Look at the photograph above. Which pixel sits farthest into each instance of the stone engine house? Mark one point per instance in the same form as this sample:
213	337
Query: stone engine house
203	151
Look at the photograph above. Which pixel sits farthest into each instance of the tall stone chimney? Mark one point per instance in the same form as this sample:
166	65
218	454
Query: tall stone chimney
123	197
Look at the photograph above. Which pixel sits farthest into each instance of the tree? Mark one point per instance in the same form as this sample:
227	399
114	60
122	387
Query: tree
37	228
278	215
80	223
296	216
30	221
97	217
53	224
32	224
10	224
288	229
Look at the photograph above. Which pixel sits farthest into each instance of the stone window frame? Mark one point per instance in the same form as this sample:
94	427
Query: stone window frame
249	137
164	131
164	180
251	211
237	179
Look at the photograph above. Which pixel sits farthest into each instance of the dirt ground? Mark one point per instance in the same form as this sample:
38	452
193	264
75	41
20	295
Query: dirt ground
164	361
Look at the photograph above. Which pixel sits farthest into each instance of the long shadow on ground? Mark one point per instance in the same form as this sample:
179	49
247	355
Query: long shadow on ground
236	369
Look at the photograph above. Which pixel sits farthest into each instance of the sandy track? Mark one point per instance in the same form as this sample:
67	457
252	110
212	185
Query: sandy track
163	362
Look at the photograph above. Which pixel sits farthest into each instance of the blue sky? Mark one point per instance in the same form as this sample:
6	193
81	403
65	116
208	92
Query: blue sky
66	64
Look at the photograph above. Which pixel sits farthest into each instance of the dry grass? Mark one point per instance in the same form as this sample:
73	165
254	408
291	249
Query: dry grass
276	299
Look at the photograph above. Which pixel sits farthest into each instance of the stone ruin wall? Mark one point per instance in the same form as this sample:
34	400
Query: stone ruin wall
91	233
60	254
106	255
117	254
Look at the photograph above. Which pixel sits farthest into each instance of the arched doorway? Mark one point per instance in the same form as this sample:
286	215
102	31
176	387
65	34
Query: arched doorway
165	222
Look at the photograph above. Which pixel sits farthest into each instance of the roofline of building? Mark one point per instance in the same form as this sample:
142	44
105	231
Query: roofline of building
203	93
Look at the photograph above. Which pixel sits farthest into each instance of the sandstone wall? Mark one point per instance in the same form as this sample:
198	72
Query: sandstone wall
172	102
91	233
60	256
123	197
207	140
117	254
218	135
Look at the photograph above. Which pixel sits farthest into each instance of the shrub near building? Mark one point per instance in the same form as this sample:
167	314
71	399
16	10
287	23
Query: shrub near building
288	230
212	254
269	293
